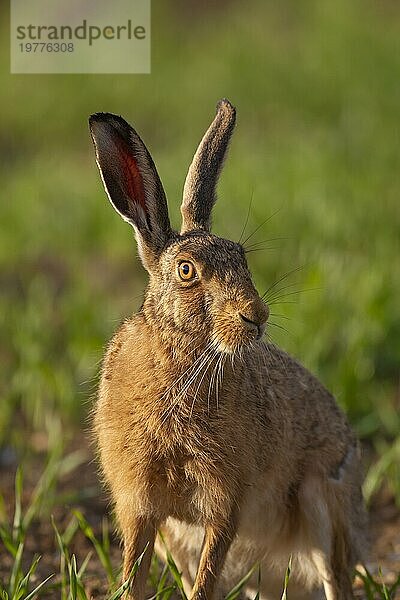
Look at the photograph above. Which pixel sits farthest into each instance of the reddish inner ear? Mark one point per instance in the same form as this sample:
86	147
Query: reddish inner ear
133	181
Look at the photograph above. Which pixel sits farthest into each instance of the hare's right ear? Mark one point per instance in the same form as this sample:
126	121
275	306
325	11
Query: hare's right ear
132	183
199	192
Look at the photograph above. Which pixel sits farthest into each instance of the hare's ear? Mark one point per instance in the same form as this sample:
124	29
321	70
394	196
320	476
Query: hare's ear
132	183
199	192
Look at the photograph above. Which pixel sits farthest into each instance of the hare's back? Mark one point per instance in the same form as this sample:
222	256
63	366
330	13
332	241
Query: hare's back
313	411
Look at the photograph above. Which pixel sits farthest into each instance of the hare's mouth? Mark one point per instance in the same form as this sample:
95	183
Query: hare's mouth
240	334
252	326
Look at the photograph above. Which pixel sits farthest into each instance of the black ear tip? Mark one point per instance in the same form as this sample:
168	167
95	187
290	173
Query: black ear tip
102	118
225	106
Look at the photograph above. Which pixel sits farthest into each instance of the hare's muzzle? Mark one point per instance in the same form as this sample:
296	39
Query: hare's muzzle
254	318
258	328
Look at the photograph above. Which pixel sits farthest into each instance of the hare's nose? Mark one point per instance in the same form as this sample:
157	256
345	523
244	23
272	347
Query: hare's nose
258	327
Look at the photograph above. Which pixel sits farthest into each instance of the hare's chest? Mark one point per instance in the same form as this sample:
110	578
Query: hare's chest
188	487
183	468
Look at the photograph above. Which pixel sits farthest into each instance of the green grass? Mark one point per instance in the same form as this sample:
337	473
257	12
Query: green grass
69	581
316	149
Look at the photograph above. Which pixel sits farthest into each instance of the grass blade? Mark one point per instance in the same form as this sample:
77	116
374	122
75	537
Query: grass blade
85	564
367	584
16	570
7	540
384	588
17	524
287	577
173	569
103	555
34	592
236	590
23	583
126	585
163	579
257	596
73	583
64	560
164	593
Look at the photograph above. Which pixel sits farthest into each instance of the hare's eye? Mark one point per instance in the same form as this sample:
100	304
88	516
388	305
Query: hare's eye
186	270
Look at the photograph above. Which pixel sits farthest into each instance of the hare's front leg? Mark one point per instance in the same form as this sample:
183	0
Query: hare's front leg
334	558
138	531
336	577
217	539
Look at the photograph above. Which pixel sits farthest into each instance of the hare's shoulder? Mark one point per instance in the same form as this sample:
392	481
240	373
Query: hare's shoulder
282	367
130	339
287	372
312	424
314	408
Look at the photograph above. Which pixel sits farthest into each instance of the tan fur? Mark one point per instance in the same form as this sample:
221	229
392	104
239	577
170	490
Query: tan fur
205	431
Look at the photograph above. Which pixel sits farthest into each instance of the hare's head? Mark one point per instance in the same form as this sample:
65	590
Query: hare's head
200	284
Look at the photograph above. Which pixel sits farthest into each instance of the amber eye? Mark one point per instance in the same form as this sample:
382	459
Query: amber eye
186	270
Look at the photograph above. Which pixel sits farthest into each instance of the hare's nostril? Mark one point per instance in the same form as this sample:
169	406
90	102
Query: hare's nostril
259	327
250	324
247	320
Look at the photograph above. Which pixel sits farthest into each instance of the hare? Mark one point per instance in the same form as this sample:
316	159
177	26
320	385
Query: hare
205	432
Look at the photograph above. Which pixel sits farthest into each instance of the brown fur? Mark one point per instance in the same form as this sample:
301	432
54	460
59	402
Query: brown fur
204	430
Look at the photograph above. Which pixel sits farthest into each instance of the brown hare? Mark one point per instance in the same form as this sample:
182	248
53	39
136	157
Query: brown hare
206	432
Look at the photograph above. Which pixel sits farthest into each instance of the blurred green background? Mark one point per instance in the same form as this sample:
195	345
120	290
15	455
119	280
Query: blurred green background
316	84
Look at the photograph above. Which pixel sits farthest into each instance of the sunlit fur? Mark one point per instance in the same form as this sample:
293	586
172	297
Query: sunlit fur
211	304
223	442
198	421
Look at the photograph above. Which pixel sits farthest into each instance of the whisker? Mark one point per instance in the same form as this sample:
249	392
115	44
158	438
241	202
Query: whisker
247	217
284	276
260	249
281	288
274	239
223	362
286	294
218	381
183	375
194	374
190	342
201	380
211	383
241	355
280	327
192	371
279	316
261	225
283	302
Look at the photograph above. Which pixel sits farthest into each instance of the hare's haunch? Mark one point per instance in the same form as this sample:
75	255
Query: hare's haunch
205	432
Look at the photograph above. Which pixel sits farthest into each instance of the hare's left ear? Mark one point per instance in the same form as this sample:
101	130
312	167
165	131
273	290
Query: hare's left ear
132	183
199	193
